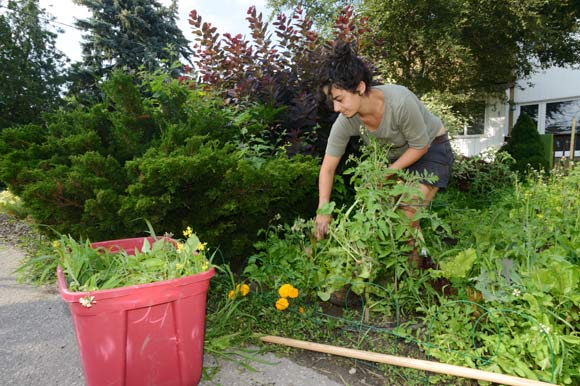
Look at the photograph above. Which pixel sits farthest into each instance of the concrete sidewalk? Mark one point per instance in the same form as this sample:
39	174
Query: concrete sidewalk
38	346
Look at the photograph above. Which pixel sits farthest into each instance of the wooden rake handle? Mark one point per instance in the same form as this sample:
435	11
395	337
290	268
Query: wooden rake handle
419	364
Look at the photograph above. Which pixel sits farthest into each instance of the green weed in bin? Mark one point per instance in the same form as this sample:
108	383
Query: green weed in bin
90	269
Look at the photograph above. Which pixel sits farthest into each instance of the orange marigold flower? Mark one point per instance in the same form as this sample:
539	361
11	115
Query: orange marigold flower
244	289
293	293
282	304
301	310
285	290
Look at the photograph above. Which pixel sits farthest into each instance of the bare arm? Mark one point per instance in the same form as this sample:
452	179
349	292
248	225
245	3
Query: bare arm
409	157
325	183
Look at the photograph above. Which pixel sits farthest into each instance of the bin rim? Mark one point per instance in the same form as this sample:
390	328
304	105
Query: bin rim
73	297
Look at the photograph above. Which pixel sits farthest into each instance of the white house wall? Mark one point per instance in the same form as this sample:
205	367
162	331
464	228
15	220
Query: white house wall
551	85
495	130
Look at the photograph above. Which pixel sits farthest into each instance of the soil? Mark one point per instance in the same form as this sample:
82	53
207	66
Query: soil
342	370
350	371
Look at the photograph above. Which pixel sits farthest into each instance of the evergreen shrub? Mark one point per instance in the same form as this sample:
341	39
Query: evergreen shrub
162	150
525	146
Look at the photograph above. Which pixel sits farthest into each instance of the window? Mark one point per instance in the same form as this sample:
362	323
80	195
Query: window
531	111
559	116
474	112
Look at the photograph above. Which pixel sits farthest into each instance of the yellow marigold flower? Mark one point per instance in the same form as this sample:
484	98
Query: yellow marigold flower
179	247
187	232
284	290
301	310
232	294
201	246
282	304
244	289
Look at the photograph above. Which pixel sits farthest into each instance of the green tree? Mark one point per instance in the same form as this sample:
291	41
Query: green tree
322	12
129	34
30	65
460	45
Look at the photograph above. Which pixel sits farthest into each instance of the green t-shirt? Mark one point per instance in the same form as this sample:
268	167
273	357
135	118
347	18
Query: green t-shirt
406	123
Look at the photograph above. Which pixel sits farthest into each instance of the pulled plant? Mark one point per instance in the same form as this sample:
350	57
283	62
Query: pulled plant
91	267
368	242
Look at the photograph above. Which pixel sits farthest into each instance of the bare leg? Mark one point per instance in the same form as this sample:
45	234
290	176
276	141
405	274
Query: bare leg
429	192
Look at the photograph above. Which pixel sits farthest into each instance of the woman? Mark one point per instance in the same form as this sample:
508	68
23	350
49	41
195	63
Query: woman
393	115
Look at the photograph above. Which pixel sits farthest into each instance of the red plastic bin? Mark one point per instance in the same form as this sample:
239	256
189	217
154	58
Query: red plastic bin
148	334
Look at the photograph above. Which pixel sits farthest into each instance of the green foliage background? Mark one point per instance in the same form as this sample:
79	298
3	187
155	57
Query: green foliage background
98	172
31	70
214	156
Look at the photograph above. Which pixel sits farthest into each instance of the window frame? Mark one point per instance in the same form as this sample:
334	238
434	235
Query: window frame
541	122
464	134
542	105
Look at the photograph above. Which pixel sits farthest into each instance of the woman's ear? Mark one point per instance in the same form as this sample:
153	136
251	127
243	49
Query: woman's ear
361	88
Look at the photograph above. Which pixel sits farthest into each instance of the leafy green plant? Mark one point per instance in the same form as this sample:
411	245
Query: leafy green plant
368	242
473	176
40	262
228	325
522	281
286	255
367	245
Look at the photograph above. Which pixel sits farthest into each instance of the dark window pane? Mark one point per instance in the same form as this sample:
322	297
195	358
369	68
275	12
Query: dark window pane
474	111
531	111
562	145
478	123
559	116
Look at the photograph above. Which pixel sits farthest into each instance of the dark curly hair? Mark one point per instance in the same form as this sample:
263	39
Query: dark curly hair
343	69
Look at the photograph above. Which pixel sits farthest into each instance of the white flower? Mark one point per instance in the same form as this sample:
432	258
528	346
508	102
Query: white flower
87	301
545	329
516	292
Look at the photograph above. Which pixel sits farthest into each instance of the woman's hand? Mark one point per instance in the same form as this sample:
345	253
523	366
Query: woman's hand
322	223
325	207
391	173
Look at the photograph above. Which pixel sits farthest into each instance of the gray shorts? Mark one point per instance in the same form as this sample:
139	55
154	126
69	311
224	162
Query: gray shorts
438	161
